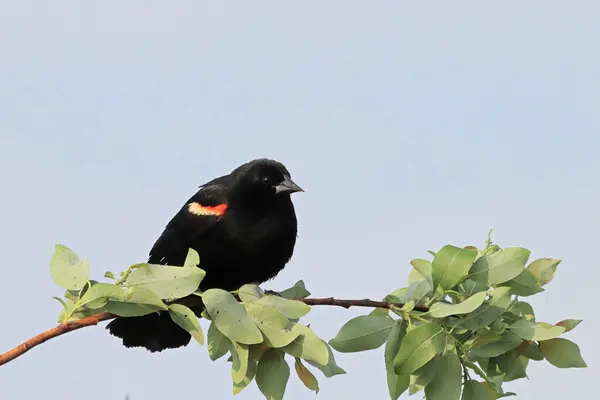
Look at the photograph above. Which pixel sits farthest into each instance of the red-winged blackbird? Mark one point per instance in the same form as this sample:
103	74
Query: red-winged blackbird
243	226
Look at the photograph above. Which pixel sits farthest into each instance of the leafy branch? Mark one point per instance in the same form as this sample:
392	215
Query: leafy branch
73	325
460	317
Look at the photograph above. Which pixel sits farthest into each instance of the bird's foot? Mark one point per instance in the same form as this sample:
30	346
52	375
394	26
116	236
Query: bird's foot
269	292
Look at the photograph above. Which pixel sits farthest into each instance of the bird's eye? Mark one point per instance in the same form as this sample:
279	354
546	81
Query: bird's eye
266	180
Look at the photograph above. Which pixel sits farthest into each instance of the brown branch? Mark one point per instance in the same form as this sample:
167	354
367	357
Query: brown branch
330	301
63	328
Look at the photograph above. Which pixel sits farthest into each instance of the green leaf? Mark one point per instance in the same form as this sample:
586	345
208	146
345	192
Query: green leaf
306	376
230	317
562	353
239	365
471	287
524	310
66	310
254	354
408	307
380	312
512	366
492	369
395	337
192	259
498	326
518	371
272	374
543	269
397	384
250	292
308	346
417	291
415	276
110	275
569	324
485	314
98	295
525	278
123	309
491	345
290	308
185	318
525	284
423	267
446	383
422	377
218	344
366	332
397	296
331	368
530	350
61	301
441	310
75	315
138	301
529	330
419	286
500	267
169	283
474	390
72	295
298	291
451	265
142	295
67	270
276	328
418	347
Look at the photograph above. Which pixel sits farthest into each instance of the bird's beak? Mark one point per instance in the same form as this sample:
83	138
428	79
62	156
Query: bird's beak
287	186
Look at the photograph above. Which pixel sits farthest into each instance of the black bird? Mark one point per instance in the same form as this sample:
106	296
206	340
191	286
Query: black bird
243	226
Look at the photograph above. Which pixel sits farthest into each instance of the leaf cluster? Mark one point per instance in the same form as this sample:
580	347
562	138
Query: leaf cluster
142	289
477	333
259	331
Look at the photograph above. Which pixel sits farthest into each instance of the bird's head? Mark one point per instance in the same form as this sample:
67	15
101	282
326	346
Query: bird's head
264	179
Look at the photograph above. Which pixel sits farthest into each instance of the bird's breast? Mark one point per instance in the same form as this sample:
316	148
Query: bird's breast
247	250
268	233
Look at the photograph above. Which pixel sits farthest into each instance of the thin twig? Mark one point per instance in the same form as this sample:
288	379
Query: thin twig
67	327
330	301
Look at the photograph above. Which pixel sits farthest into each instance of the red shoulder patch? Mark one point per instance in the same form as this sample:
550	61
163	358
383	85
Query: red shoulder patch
199	209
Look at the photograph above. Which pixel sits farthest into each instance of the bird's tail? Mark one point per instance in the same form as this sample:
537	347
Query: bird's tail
155	332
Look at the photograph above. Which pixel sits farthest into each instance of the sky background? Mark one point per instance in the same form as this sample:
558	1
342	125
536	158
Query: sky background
410	125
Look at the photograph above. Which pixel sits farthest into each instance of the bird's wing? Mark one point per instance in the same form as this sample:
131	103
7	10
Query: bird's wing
199	214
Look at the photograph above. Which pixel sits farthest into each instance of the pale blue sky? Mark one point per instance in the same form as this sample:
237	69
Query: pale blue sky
409	125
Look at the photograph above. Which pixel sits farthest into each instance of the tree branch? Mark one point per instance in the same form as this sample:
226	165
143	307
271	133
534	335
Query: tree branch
70	326
61	329
330	301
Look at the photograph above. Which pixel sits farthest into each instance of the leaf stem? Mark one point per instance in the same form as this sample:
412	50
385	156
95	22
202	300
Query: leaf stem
488	242
125	275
